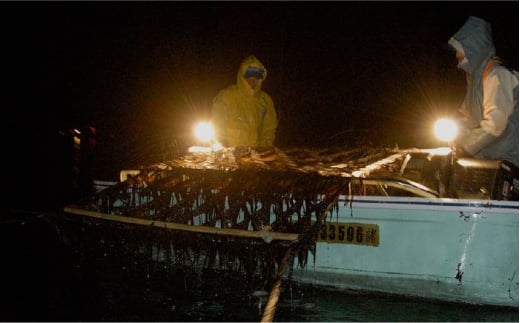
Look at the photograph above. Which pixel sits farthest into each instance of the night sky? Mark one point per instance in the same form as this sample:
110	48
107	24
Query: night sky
142	73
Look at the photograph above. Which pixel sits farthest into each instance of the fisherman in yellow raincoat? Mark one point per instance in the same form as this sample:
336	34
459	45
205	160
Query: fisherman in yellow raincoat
243	114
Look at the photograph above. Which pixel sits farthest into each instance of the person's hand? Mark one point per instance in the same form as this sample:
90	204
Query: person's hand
242	151
265	153
461	153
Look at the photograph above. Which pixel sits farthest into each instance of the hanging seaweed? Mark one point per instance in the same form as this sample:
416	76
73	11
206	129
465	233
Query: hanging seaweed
210	211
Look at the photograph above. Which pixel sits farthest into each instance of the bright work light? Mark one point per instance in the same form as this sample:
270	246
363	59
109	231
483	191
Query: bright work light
204	132
445	130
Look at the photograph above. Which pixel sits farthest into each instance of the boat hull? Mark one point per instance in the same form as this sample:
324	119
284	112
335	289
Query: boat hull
444	249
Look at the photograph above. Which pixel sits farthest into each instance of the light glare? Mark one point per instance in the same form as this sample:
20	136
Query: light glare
204	132
445	130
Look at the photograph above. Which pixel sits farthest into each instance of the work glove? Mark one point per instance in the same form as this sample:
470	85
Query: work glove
241	152
264	153
460	152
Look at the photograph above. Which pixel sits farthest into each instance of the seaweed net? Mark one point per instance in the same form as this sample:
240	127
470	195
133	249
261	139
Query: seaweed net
284	197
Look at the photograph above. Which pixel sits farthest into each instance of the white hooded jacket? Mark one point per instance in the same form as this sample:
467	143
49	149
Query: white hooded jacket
491	102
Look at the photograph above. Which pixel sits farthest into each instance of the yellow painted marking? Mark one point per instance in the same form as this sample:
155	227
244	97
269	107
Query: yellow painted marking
350	233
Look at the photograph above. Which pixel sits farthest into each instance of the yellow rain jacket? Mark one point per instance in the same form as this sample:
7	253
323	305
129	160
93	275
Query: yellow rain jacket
242	116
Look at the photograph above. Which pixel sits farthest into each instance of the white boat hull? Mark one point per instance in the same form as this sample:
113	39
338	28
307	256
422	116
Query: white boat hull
445	249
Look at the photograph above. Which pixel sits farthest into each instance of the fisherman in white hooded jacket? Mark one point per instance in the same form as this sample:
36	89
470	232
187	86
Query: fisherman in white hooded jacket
490	107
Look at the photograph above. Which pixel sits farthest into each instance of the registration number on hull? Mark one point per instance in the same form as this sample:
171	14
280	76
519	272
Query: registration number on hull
351	233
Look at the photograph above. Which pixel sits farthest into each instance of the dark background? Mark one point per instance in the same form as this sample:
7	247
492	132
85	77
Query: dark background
142	73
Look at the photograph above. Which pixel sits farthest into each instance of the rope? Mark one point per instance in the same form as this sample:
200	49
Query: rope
270	307
22	219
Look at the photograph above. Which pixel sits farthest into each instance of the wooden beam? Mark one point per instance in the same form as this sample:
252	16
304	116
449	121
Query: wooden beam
265	235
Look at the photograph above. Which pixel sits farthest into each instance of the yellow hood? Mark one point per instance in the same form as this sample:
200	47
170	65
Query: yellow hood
250	61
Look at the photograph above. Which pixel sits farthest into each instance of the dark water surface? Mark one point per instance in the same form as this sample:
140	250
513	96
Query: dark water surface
42	281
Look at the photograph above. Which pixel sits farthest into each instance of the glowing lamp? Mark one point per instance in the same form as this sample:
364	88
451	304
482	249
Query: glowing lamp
204	132
445	130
